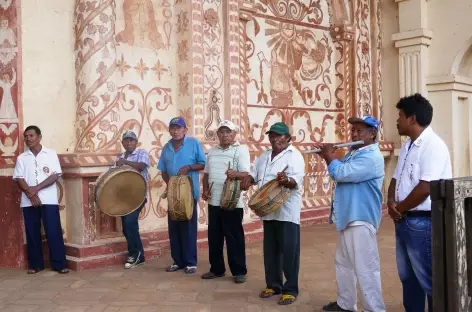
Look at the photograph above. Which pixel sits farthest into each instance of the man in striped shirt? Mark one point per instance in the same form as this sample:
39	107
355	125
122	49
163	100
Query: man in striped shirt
225	224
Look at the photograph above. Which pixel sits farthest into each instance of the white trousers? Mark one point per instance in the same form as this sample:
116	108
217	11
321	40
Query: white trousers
357	258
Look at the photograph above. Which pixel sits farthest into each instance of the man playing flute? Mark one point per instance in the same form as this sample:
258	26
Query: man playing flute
282	227
357	210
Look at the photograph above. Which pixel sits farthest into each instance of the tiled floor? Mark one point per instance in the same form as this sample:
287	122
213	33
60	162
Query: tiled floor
149	288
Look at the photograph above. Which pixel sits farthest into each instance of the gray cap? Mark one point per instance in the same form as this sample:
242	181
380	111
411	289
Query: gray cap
129	135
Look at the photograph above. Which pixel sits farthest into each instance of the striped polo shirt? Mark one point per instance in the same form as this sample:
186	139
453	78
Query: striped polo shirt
237	156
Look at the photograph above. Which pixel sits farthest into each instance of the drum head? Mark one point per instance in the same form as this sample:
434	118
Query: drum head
122	193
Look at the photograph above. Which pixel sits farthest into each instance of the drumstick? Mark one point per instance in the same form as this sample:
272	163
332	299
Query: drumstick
317	150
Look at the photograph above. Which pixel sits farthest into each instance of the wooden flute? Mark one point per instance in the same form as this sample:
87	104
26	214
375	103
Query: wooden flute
317	150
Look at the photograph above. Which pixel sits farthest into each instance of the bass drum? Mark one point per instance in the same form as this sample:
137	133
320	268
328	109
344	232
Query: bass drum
120	191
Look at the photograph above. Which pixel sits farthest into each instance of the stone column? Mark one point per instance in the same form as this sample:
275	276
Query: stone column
412	42
343	35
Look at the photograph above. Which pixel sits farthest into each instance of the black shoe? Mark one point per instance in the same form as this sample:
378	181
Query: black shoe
211	275
239	279
333	306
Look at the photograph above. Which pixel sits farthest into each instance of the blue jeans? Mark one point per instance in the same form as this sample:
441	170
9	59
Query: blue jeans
414	262
131	232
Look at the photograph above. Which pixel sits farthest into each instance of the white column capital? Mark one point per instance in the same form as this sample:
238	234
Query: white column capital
417	37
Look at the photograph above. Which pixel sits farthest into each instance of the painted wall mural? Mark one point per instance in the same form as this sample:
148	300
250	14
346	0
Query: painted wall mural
310	63
10	75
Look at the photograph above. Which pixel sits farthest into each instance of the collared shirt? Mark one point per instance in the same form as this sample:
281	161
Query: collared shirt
190	153
265	169
357	196
426	159
139	156
237	156
34	170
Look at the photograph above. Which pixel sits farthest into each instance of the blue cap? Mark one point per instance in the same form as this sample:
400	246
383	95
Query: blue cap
178	121
368	120
129	135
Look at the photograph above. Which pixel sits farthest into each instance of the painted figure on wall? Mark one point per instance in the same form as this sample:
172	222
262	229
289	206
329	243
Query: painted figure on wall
140	25
7	36
7	107
5	4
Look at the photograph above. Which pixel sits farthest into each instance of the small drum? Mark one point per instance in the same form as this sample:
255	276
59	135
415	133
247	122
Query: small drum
268	198
230	195
120	191
180	198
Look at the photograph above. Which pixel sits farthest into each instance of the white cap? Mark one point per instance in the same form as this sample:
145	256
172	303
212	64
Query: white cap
228	124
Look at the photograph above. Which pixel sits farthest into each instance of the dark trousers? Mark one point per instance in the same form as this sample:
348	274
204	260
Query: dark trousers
130	227
226	225
49	214
282	255
183	240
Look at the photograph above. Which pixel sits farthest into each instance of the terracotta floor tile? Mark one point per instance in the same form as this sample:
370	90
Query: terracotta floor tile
149	288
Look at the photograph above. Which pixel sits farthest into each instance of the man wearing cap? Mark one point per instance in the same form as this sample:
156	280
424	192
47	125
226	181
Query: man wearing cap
282	227
139	160
357	210
225	224
183	155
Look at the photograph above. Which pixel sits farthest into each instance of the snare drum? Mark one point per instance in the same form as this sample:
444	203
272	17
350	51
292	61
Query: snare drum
180	198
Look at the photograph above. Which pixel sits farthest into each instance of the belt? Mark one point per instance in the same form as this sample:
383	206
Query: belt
419	214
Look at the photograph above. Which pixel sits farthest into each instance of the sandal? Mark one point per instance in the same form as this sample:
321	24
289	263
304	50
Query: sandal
267	293
190	270
62	271
287	299
33	271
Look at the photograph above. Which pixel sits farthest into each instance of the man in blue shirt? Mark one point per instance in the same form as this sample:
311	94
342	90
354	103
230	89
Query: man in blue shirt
356	210
183	155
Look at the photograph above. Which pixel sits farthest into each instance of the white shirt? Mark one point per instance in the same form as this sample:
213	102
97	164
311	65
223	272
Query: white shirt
265	170
428	159
36	169
217	165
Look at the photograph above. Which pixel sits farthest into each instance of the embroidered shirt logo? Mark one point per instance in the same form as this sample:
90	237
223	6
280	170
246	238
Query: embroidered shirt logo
46	170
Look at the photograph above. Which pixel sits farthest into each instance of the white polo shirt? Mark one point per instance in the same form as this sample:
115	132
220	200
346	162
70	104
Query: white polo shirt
428	159
217	165
36	169
265	169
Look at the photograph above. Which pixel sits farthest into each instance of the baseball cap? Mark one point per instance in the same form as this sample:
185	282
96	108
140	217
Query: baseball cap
280	128
228	124
179	121
129	135
368	120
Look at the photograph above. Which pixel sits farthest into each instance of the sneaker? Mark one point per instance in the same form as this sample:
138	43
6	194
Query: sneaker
333	306
239	279
190	270
134	261
211	275
172	268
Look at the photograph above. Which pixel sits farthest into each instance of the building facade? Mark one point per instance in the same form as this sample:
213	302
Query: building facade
85	71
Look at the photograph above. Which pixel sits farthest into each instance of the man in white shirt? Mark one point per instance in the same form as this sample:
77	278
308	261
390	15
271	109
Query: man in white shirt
224	224
36	173
282	227
423	158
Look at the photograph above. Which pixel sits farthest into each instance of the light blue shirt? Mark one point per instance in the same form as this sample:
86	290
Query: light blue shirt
358	194
190	153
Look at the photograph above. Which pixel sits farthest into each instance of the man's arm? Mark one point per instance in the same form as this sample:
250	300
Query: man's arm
165	177
136	165
415	198
356	170
391	191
